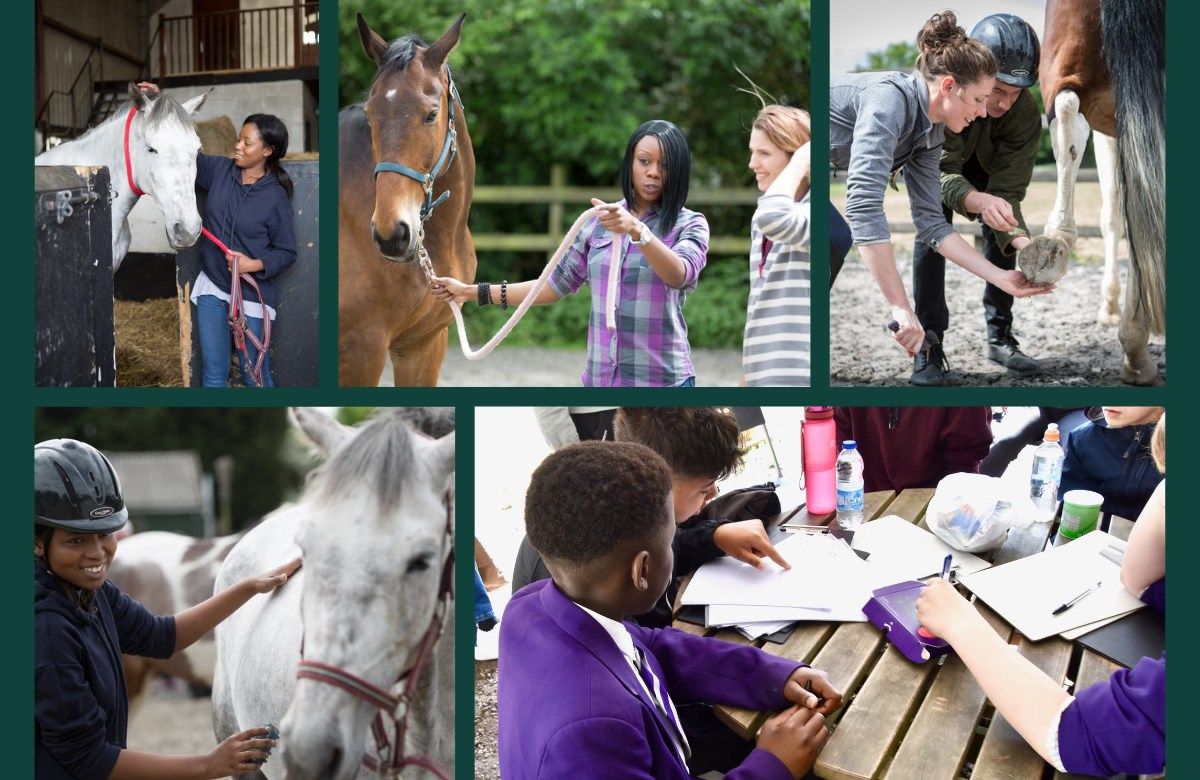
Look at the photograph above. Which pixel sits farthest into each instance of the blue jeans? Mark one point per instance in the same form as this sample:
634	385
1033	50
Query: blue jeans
483	604
689	382
216	343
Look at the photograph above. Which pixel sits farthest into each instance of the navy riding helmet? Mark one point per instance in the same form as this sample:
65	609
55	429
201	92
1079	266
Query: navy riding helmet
1015	46
75	488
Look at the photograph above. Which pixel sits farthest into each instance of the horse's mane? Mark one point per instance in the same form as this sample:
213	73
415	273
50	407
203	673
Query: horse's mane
381	455
400	53
163	110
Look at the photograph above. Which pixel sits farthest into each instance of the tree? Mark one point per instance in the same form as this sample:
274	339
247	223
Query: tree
897	56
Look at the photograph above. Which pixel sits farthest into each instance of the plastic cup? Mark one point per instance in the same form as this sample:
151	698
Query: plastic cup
1080	513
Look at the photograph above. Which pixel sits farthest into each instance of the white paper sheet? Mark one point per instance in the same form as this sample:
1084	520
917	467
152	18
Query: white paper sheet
901	551
735	614
825	574
1026	592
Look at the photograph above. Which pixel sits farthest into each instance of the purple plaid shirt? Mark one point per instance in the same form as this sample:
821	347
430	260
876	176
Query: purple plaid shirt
649	348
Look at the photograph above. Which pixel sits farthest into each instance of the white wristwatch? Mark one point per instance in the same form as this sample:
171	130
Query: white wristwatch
644	234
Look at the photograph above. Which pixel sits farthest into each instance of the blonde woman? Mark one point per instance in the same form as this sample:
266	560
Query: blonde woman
775	350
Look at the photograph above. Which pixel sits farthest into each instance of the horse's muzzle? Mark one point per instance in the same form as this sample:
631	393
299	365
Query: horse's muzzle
398	247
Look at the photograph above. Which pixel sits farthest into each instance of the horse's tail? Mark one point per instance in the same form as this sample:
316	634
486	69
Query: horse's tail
1134	33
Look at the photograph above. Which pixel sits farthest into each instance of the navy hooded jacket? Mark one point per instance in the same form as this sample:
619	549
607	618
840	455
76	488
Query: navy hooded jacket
254	219
81	709
1114	462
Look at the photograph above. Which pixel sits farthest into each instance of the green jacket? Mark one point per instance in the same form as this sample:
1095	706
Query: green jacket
1006	149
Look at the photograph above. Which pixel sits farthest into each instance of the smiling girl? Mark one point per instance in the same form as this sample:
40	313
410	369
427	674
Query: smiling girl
83	624
663	248
880	123
775	350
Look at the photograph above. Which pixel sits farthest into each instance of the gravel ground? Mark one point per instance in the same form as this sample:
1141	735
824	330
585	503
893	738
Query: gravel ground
559	368
487	765
169	722
1059	330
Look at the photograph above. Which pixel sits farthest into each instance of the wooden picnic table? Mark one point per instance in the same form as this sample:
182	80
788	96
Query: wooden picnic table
904	720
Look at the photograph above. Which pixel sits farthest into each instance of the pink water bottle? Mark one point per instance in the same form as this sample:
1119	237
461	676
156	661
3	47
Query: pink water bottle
818	439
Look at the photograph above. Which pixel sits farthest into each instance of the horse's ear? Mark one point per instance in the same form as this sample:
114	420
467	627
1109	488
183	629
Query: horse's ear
140	99
373	43
193	105
325	433
443	455
435	56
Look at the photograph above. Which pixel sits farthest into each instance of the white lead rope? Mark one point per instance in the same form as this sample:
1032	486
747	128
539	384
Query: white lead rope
610	315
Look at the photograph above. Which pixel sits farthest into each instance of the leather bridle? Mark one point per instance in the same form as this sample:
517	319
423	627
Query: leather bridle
390	724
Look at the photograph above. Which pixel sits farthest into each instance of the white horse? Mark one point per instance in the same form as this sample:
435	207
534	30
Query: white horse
162	153
374	526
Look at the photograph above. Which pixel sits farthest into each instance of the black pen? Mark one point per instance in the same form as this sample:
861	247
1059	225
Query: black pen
1074	601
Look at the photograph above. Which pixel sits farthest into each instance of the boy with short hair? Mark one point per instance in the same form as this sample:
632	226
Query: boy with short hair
701	445
583	694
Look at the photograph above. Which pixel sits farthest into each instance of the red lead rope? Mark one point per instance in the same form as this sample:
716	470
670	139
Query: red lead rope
237	315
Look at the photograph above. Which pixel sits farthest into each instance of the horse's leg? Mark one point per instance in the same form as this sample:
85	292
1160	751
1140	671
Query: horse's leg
121	240
1068	135
420	367
1134	333
1111	226
362	353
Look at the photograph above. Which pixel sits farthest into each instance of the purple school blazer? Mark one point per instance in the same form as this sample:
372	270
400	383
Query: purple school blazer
1120	725
571	706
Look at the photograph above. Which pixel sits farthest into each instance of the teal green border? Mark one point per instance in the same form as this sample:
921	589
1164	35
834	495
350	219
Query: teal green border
20	398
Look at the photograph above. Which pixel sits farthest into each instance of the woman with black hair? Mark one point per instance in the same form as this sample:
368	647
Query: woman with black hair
82	624
249	209
636	334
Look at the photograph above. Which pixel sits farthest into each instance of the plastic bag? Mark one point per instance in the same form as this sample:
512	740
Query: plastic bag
974	512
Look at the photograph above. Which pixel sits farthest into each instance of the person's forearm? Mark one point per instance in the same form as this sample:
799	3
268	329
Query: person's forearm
516	292
789	179
1145	555
1021	692
956	249
132	765
882	261
668	265
193	623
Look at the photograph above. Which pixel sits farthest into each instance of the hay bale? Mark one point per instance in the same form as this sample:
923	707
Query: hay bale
148	343
217	136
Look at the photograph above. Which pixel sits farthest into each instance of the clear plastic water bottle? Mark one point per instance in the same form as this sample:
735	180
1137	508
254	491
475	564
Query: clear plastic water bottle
1047	472
849	486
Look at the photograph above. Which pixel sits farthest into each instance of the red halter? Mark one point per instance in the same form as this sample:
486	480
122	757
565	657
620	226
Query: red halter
393	710
129	163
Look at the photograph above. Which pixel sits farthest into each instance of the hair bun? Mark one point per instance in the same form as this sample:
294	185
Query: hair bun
940	32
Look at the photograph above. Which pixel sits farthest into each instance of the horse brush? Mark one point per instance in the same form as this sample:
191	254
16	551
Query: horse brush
931	339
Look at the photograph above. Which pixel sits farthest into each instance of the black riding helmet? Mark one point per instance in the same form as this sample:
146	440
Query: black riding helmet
75	488
1015	46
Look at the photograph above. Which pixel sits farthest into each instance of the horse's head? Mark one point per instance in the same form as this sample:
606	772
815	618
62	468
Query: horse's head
409	109
162	152
376	542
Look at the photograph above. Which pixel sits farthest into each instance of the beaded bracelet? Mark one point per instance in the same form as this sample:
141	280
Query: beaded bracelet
504	294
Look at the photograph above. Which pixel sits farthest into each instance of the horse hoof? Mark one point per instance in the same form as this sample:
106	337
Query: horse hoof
1142	375
1107	316
1044	260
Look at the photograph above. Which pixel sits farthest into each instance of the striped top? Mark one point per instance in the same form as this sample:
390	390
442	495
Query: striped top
775	351
649	347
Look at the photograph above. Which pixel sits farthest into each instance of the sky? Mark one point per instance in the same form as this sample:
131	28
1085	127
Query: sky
857	27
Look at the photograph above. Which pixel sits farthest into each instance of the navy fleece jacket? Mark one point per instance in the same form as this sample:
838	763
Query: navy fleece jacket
81	711
254	219
1114	462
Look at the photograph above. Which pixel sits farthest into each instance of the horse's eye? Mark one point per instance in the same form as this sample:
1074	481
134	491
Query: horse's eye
431	117
152	150
420	563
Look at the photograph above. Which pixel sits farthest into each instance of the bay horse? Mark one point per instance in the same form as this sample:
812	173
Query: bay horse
1102	68
322	656
149	146
407	173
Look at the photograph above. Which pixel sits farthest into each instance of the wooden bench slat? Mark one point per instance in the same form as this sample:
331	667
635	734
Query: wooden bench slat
868	732
938	739
1004	753
911	504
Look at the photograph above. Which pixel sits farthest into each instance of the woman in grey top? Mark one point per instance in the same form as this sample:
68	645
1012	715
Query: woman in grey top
882	122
